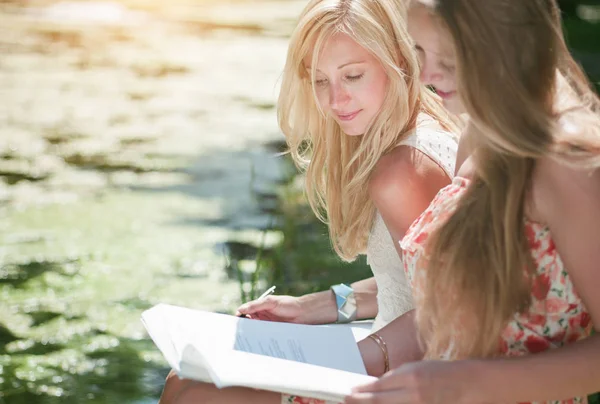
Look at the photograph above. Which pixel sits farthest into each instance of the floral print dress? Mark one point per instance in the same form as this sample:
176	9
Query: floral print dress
556	316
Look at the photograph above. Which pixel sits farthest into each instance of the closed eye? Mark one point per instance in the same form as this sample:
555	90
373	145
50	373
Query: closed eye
355	78
449	67
321	82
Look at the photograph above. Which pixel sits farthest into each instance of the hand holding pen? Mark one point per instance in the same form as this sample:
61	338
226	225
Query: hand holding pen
289	309
268	292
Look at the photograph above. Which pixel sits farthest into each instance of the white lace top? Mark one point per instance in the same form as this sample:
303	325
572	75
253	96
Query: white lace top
394	296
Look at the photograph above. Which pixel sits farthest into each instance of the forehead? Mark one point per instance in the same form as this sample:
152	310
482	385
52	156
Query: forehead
427	32
339	49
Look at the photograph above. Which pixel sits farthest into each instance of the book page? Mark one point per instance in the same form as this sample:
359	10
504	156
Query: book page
323	346
333	347
154	320
267	373
319	361
360	329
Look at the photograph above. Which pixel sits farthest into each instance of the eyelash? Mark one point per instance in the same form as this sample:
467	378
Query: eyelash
447	67
443	65
322	82
355	78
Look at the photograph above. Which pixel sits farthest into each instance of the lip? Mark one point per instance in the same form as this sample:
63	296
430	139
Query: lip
348	117
445	95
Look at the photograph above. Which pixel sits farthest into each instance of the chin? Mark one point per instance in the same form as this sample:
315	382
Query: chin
352	133
454	106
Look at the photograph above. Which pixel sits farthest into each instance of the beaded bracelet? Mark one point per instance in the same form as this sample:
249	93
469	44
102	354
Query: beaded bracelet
382	345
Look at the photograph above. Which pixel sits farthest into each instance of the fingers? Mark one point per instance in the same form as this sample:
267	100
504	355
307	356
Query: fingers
266	316
267	303
382	397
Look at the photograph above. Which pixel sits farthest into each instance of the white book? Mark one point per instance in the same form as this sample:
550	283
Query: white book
306	360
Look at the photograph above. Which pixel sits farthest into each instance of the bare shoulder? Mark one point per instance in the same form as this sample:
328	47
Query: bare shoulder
560	189
392	171
402	185
404	168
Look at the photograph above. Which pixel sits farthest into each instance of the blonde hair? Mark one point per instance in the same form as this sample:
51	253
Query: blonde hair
338	166
527	99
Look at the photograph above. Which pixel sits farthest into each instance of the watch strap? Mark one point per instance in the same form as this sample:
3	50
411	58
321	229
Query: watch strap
346	303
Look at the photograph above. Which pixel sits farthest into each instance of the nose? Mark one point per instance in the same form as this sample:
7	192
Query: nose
338	96
430	74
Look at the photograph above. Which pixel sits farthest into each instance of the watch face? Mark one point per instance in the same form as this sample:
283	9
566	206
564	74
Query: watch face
342	289
340	301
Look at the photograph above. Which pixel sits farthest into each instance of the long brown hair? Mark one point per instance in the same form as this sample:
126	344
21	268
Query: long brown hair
521	88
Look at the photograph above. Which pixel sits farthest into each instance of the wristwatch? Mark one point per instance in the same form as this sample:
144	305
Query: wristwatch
345	301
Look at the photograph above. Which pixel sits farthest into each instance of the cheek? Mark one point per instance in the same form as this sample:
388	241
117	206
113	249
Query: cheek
376	92
323	99
451	79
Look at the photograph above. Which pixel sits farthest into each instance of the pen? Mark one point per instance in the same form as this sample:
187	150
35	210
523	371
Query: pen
268	292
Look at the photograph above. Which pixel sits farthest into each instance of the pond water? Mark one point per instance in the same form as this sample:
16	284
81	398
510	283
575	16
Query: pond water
138	155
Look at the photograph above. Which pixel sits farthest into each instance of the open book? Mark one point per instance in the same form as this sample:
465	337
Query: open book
306	360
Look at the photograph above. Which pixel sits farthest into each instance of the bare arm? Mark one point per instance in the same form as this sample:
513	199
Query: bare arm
324	304
365	292
402	186
402	344
312	308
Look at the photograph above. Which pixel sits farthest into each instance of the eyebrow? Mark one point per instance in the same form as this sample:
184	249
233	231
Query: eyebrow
441	54
344	65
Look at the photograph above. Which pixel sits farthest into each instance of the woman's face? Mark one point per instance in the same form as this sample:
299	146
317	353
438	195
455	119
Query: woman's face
436	57
350	83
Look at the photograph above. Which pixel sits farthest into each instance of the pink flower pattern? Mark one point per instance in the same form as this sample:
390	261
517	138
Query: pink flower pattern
556	316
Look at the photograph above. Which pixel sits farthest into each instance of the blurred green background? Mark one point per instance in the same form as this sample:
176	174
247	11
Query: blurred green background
138	165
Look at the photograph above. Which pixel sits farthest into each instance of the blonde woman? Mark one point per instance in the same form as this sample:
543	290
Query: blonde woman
505	261
376	146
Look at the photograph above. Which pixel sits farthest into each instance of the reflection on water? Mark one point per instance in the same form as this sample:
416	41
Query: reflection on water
136	160
89	12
